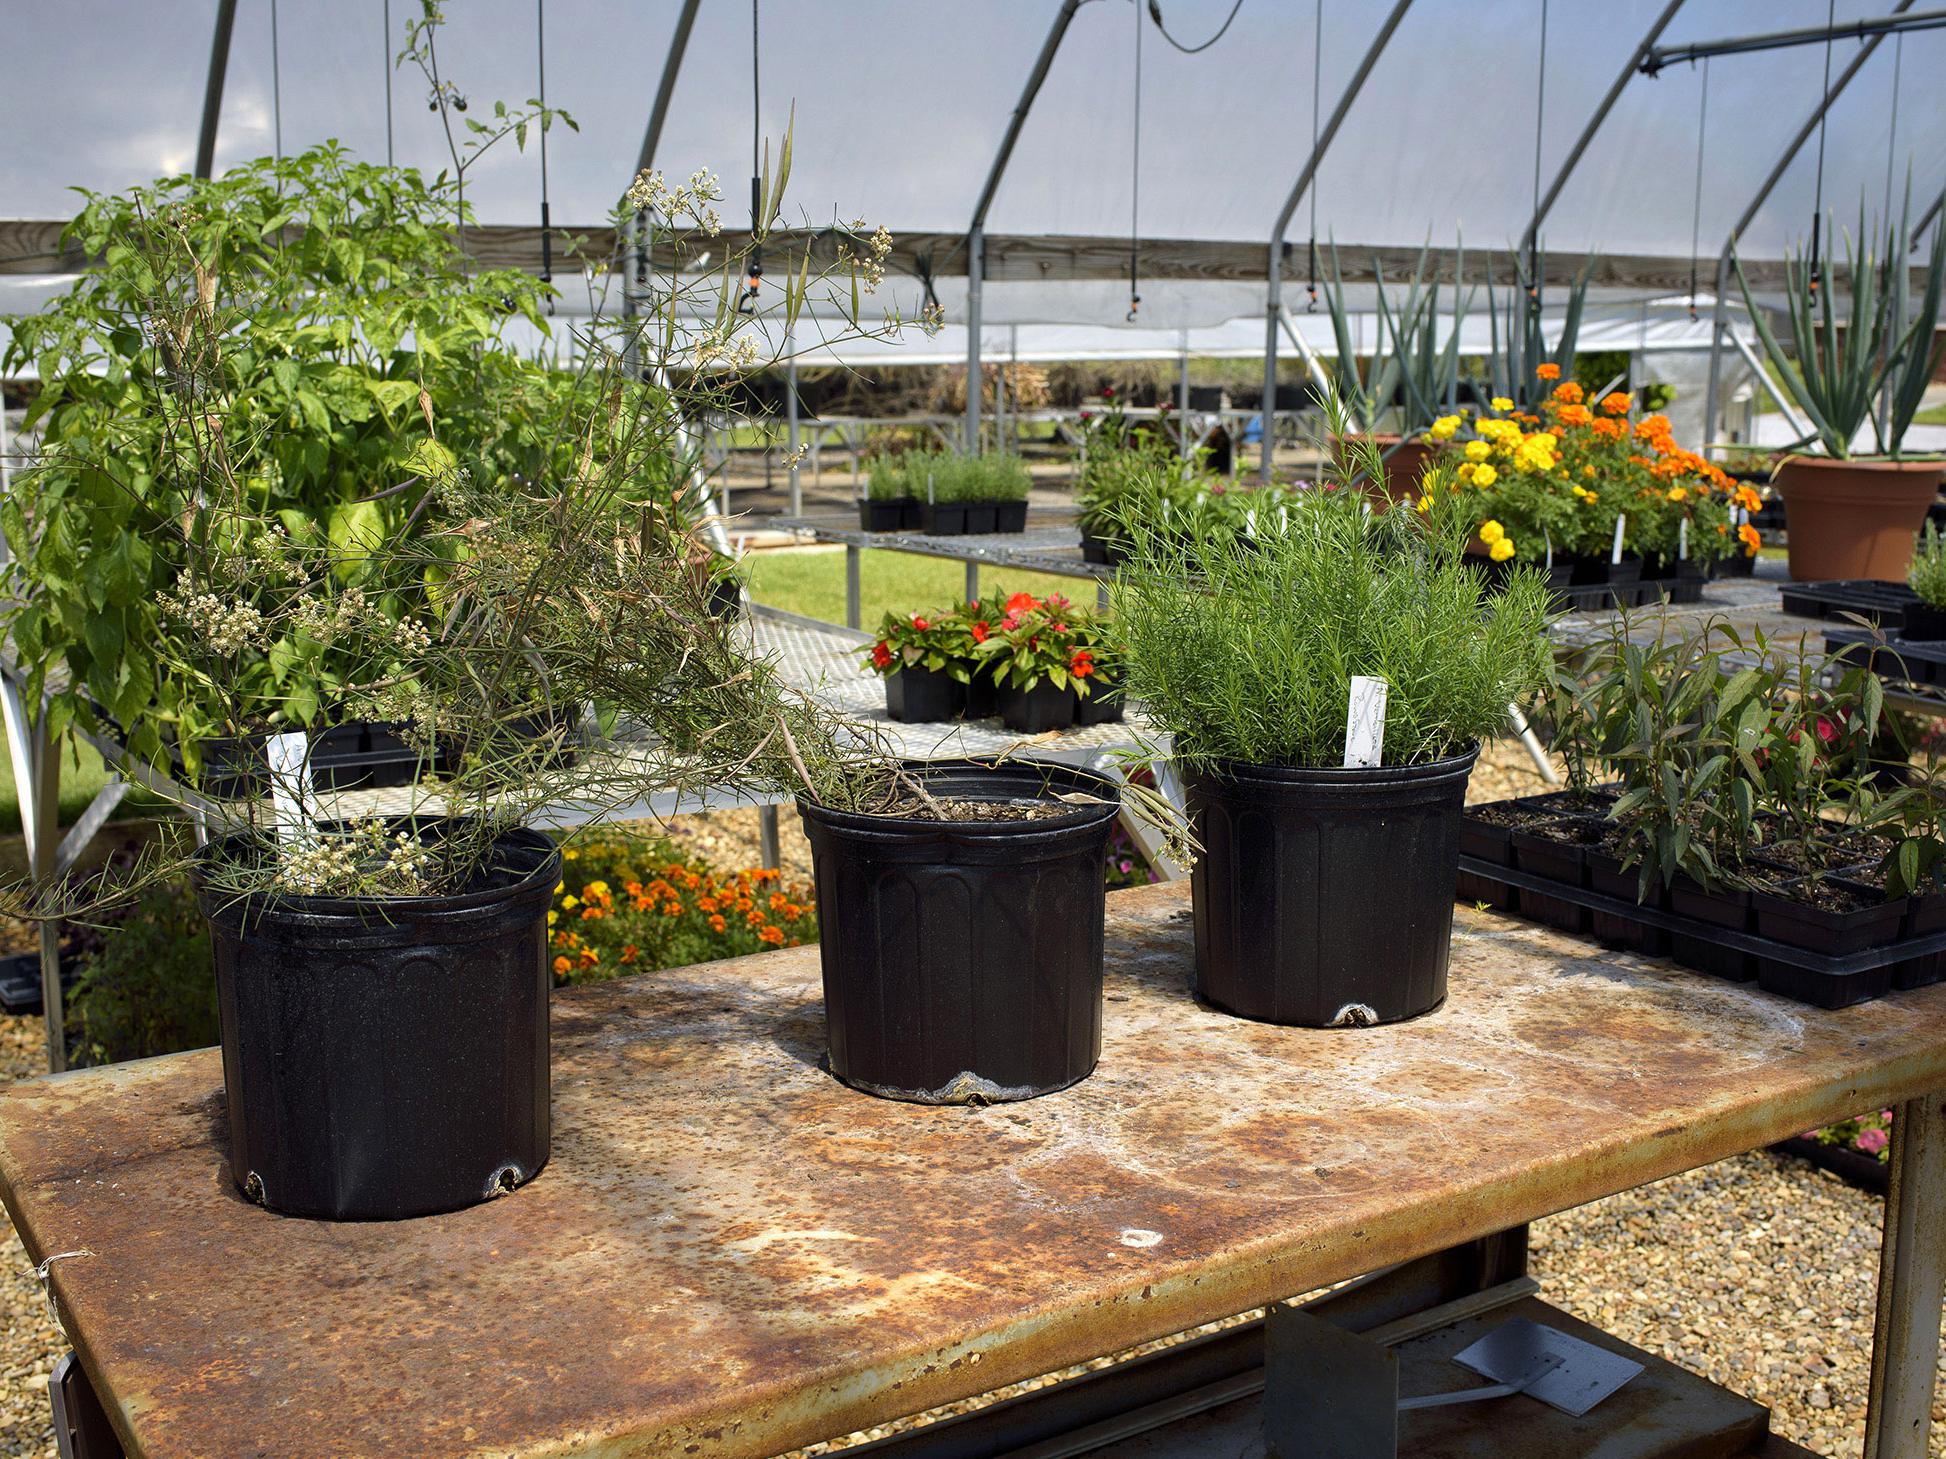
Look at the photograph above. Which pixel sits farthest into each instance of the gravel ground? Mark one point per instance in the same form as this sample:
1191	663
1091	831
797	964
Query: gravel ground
1757	1272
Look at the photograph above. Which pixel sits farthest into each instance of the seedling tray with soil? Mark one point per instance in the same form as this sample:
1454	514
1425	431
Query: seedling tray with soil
1895	659
1881	602
1829	939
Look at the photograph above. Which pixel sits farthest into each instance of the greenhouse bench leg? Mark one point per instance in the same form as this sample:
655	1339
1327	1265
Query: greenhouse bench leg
81	1427
1911	1284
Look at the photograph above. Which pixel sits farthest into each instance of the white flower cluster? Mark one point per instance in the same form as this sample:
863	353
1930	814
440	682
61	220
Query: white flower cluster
364	858
410	638
228	628
870	264
724	348
264	558
692	199
328	619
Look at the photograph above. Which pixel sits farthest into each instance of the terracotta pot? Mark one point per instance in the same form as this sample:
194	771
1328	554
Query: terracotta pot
1855	519
1402	467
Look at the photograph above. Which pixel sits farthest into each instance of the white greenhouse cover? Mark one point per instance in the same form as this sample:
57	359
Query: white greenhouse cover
899	107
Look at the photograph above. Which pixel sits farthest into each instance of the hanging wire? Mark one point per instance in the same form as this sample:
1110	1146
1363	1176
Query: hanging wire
1135	187
547	227
1540	116
388	83
1696	204
276	87
1824	117
1317	82
754	275
1155	14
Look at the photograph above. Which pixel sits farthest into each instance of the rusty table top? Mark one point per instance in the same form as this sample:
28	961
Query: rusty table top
731	1253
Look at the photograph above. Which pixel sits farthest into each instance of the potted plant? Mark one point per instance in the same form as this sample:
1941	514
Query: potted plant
889	503
926	662
1925	620
1850	514
1119	462
1323	892
1040	662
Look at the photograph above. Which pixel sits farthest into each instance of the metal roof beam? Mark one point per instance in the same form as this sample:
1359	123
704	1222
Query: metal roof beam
219	67
1274	301
666	88
1875	29
1645	49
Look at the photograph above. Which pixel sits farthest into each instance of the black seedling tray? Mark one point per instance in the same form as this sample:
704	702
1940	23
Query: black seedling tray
1595	597
1896	660
1868	598
20	982
1791	972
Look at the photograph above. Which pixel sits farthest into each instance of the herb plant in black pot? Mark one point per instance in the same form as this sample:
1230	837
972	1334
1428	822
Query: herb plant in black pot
1324	888
1925	620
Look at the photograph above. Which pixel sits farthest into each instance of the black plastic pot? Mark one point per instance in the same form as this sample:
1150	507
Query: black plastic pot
1037	710
890	514
943	519
1559	861
1010	516
1102	551
387	1058
1607	875
1325	896
1923	623
1727	907
981	518
1104	704
726	598
962	959
1681	578
923	696
1797	923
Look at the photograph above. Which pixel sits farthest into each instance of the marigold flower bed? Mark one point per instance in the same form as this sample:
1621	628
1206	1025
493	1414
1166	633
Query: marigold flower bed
631	906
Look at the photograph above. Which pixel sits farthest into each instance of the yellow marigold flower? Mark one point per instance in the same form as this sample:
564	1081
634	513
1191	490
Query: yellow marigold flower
1677	494
1484	475
552	915
568	904
570	854
1492	532
1464	471
1444	428
1501	550
1478	450
1500	402
1425	504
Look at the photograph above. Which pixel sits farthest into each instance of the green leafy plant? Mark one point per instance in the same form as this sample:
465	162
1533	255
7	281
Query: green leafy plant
942	641
1245	650
1517	339
1874	364
1409	362
145	983
1043	641
1927	575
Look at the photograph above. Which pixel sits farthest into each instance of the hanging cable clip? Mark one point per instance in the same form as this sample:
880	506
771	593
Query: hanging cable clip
1134	303
752	282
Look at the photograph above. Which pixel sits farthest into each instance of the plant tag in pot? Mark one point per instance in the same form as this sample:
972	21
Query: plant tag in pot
289	758
1682	540
1621	525
929	495
1365	723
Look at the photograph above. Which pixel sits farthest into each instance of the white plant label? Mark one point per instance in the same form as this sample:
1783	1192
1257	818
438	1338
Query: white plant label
1621	525
1682	539
1365	723
1549	541
929	486
289	758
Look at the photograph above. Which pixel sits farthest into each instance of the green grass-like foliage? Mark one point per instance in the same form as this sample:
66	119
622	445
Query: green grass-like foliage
1927	575
990	477
1243	646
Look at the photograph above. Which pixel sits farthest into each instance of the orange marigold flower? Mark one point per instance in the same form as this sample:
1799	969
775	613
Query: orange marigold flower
777	899
1651	426
672	909
1547	371
1609	429
717	924
1574	415
772	935
706	904
1747	535
1616	402
1567	392
630	952
755	917
692	881
592	914
561	965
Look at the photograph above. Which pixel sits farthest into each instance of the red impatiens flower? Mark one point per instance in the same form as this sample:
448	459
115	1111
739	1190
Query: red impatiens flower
881	655
1108	392
1082	664
980	631
920	623
1022	603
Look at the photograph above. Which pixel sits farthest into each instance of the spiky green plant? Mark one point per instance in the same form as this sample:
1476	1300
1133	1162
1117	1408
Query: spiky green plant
1409	360
1516	340
1872	365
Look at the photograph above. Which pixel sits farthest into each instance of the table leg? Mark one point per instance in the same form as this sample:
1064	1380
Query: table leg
771	854
972	582
852	609
1911	1284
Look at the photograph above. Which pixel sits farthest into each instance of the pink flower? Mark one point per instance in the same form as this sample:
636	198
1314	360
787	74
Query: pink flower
1871	1141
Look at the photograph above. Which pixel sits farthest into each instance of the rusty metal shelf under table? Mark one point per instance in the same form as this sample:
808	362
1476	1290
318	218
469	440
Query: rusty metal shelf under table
731	1254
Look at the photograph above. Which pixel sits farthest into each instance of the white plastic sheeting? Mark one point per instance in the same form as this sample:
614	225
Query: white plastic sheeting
900	104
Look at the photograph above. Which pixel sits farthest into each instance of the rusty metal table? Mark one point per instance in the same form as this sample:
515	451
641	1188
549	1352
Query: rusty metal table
731	1253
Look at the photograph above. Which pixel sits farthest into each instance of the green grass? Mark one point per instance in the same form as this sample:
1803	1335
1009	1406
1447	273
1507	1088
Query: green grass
813	583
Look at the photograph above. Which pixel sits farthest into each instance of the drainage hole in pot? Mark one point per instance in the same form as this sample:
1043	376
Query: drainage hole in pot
506	1178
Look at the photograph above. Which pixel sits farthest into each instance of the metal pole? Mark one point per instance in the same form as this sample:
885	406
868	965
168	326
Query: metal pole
1719	321
1274	300
1911	1282
976	229
853	609
791	426
1182	400
769	852
1877	28
666	88
1594	125
972	581
219	66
